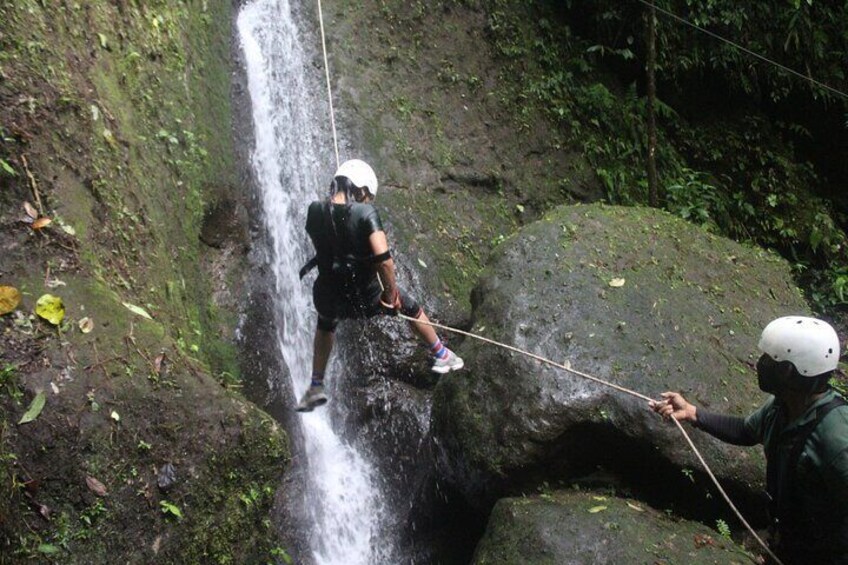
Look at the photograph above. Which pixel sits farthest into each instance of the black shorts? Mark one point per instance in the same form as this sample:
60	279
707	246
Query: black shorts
339	300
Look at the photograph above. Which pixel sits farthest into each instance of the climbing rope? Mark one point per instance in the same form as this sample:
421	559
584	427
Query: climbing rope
329	89
567	366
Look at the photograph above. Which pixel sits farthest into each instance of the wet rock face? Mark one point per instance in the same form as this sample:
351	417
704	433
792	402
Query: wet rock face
585	527
629	295
224	222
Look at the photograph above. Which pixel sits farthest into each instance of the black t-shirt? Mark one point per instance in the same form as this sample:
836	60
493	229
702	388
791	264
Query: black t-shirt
342	244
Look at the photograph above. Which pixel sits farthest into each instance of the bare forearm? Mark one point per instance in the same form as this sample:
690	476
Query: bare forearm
386	272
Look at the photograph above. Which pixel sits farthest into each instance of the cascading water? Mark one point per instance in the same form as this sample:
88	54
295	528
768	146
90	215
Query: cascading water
290	161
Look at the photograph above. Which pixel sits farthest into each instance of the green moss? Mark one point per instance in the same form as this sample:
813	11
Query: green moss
127	102
592	527
463	226
225	523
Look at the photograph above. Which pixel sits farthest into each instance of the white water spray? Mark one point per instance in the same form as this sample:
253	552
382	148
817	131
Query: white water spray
291	162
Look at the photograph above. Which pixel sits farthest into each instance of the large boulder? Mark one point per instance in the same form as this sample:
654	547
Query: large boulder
630	295
581	527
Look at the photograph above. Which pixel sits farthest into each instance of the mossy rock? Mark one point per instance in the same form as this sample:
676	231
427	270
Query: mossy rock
584	527
685	315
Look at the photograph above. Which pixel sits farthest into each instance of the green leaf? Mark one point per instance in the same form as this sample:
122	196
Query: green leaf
104	43
48	549
137	310
8	168
168	508
34	409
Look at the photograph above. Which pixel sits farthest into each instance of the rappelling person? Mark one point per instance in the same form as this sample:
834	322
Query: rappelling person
356	273
804	432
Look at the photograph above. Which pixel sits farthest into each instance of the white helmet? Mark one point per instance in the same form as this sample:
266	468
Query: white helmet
360	174
810	344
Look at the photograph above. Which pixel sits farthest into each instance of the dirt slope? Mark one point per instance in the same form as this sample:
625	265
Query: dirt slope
111	115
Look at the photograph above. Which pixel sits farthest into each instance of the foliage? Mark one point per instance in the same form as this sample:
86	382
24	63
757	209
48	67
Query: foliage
723	529
735	172
9	384
807	36
171	509
693	197
840	383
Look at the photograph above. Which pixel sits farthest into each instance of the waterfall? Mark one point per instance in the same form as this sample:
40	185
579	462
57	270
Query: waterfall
291	164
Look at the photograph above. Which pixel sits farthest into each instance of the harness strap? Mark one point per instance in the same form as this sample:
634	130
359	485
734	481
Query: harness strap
384	256
312	263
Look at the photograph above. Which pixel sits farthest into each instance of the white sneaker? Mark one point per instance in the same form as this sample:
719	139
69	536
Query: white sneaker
312	398
451	362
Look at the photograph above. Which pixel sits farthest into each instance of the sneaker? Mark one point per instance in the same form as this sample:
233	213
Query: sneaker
312	398
451	362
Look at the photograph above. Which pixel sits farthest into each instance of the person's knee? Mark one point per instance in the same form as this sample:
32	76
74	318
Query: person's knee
409	307
327	324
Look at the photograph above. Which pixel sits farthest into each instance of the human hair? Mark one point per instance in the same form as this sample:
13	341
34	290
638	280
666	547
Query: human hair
346	186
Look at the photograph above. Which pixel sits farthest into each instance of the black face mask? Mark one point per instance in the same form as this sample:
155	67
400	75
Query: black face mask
772	377
781	377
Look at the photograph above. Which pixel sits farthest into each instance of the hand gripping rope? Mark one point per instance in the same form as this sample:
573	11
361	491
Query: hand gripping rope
566	366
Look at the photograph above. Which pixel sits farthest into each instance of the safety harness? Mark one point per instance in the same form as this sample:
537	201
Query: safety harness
780	479
341	262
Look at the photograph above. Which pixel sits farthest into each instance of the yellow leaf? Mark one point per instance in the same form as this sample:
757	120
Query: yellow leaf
616	283
596	509
41	223
10	297
109	137
50	308
599	498
86	325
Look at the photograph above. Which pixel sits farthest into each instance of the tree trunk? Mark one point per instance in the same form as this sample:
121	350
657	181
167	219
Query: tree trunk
653	196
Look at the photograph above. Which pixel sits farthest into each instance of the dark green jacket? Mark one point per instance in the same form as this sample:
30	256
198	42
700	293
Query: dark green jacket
820	489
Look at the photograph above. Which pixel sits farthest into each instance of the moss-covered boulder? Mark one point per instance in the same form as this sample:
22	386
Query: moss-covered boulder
582	527
630	295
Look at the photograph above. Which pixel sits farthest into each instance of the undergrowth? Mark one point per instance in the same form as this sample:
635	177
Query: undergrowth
736	173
